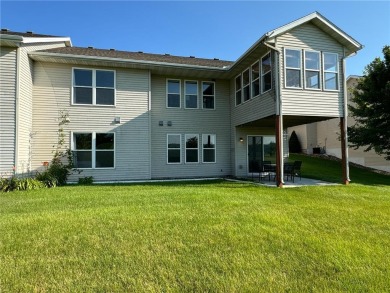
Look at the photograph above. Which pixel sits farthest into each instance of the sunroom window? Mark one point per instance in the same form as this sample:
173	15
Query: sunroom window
293	68
331	71
246	86
312	70
255	70
238	89
266	75
93	87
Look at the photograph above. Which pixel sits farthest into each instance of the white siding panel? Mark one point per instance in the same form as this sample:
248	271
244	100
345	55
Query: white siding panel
190	121
25	104
52	93
7	108
302	102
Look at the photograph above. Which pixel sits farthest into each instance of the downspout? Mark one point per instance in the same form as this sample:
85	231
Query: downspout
345	113
279	105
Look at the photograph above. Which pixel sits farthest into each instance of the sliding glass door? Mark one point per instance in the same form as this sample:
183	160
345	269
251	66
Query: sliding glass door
260	148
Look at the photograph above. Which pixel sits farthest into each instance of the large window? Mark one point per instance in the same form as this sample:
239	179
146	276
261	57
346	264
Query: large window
208	146
93	87
192	142
266	75
208	94
331	71
173	93
191	94
312	70
255	70
94	150
245	85
174	148
293	68
238	90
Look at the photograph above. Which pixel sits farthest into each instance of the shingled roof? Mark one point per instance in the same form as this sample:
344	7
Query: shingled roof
139	56
26	34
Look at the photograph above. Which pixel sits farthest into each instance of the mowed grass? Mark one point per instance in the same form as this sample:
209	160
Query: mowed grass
196	236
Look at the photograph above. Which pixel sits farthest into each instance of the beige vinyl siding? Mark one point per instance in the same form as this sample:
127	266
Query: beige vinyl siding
311	102
190	121
25	104
52	94
7	108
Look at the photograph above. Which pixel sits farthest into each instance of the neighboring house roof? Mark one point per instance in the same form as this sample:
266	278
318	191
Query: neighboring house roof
139	56
145	60
14	39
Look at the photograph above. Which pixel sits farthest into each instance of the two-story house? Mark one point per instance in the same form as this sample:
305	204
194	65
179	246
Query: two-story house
134	115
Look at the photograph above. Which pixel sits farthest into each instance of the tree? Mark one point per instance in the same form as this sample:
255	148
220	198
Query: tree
294	144
371	108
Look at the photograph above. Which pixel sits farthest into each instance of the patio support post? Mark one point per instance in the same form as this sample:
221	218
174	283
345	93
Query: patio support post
279	152
344	151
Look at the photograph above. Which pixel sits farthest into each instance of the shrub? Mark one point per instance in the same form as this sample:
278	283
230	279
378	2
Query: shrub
294	146
86	180
14	183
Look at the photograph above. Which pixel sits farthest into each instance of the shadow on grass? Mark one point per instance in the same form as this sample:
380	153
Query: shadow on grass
330	170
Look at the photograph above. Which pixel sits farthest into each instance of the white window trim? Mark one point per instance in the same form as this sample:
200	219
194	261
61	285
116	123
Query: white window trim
166	98
185	148
213	82
235	86
248	85
215	149
262	73
285	68
328	71
185	94
93	167
314	70
253	80
174	149
93	87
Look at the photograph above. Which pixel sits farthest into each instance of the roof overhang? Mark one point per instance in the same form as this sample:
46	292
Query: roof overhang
324	24
17	41
155	67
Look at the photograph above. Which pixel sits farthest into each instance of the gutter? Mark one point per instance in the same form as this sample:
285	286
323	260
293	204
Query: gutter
126	61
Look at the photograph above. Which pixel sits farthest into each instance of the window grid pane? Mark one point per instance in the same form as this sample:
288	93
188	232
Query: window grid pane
173	94
208	144
293	68
173	149
208	91
192	142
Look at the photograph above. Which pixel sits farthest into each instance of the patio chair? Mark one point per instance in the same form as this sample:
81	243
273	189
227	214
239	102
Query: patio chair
269	170
297	169
289	171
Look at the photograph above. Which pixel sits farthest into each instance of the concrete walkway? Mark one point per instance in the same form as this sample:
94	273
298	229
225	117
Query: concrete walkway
288	184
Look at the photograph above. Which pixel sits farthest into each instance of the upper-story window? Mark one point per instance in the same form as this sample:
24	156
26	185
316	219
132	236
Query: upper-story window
191	94
93	87
255	71
312	70
331	71
245	85
173	93
266	75
208	94
238	90
293	68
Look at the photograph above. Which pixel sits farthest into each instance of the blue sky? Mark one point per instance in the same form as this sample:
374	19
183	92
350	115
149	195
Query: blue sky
221	29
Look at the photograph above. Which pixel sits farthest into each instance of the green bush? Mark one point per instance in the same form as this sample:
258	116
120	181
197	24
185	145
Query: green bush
14	183
47	179
86	180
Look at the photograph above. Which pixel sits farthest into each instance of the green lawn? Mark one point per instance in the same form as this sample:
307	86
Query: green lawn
196	236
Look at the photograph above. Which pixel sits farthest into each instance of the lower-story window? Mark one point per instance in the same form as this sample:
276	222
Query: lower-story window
208	143
192	148
94	150
174	148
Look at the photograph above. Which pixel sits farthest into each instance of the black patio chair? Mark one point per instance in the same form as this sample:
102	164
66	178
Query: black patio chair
269	170
289	171
297	169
